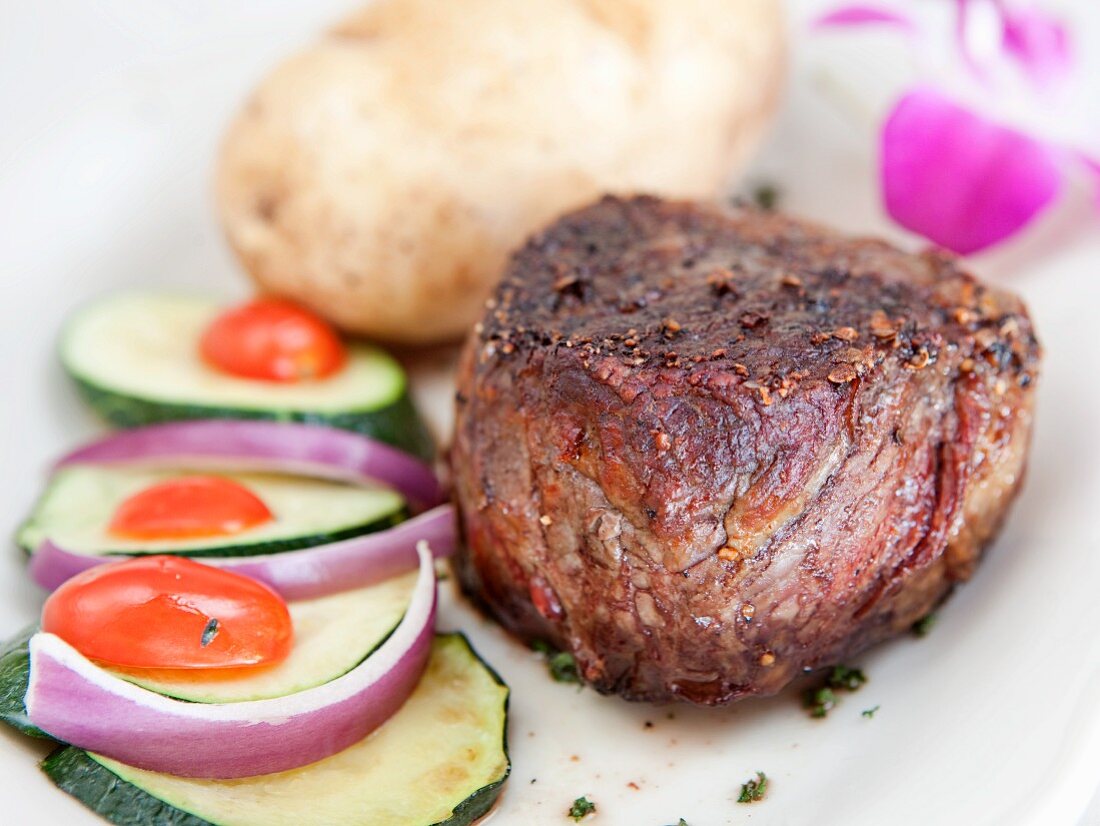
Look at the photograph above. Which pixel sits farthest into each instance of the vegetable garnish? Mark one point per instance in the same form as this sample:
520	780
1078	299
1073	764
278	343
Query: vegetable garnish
924	625
272	340
843	676
189	507
445	769
561	664
754	790
582	807
766	196
169	612
302	574
869	712
209	632
142	728
821	700
307	450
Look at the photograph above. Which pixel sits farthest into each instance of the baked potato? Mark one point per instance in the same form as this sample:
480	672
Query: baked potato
381	176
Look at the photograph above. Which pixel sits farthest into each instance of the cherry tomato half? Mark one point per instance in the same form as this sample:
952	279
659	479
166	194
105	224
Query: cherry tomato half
169	612
189	507
273	340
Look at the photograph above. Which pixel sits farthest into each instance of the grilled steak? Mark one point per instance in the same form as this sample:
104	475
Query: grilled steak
706	450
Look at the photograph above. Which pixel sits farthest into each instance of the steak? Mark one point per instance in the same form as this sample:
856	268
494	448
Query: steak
705	450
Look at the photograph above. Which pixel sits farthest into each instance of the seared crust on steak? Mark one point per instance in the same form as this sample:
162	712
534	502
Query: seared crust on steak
705	450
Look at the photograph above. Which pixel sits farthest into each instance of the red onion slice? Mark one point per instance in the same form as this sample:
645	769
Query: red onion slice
309	450
79	703
303	574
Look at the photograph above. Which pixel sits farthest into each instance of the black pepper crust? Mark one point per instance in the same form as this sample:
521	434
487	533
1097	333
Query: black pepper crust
588	284
704	449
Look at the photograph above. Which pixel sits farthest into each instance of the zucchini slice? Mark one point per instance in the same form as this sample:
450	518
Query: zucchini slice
79	501
135	357
332	635
442	759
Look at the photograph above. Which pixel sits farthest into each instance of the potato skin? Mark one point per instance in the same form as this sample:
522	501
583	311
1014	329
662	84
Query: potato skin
382	175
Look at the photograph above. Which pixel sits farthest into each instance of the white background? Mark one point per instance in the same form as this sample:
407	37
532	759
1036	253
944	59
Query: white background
110	113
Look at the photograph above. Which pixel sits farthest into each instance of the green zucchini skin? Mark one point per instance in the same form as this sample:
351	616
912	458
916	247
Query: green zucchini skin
122	803
15	667
106	794
125	804
397	423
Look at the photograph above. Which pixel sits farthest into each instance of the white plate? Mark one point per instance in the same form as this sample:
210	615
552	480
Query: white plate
111	112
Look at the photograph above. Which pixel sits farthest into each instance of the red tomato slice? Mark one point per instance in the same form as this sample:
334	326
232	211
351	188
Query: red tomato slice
170	612
273	340
189	507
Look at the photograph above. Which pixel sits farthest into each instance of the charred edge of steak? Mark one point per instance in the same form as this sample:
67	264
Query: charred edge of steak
704	450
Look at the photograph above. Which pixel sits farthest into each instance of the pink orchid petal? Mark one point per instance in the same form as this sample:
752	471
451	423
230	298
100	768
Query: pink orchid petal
858	15
962	41
1038	42
1093	165
958	179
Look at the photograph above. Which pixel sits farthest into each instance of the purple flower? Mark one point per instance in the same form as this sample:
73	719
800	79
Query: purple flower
960	180
960	176
1037	42
858	15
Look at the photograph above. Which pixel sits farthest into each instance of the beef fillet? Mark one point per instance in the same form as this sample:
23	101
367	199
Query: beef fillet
705	450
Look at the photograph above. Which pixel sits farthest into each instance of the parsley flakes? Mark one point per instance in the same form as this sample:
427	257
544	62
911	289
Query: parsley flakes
922	626
841	676
561	664
581	808
209	632
821	700
766	196
754	790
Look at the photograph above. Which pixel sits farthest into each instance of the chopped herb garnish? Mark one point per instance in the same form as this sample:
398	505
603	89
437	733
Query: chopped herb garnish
922	626
822	699
562	666
209	632
869	712
766	196
842	676
819	701
754	790
581	808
